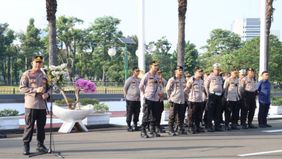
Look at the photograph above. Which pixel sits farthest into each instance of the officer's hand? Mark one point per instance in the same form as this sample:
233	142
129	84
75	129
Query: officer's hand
40	90
45	96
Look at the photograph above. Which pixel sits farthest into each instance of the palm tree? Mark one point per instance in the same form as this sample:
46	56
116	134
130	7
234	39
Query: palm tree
51	8
269	18
182	7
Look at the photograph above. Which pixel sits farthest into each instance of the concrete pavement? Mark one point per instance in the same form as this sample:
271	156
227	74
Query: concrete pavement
117	143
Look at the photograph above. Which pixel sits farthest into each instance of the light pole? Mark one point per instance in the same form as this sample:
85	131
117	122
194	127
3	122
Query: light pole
112	52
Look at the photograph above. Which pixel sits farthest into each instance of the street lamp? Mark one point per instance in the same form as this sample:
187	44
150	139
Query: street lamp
112	52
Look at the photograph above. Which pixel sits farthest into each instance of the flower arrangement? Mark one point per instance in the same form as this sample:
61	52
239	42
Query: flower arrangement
58	76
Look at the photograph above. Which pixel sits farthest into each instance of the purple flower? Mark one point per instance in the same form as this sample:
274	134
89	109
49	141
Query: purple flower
85	85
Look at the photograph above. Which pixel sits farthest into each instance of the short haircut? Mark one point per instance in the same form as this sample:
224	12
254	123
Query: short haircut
263	72
135	68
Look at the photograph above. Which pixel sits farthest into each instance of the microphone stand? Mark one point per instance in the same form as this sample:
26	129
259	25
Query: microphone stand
50	150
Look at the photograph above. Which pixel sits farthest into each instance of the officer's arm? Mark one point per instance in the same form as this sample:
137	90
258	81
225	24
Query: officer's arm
168	87
226	85
207	85
24	88
188	87
258	86
126	86
142	84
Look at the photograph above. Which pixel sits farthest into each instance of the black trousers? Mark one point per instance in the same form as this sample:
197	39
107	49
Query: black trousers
214	110
262	114
195	113
150	113
248	110
32	115
231	110
159	113
132	109
176	112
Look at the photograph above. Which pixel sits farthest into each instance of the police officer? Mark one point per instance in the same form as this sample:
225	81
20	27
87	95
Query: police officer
242	74
232	97
196	90
33	85
161	89
248	85
214	89
132	95
149	87
175	92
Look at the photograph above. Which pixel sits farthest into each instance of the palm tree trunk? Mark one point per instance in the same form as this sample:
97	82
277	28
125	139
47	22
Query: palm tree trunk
51	8
269	17
182	7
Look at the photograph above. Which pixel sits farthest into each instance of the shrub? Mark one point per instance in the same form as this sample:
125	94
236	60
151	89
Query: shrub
85	101
277	101
9	112
62	102
101	107
166	105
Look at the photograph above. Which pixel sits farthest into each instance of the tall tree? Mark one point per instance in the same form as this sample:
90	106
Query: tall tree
191	57
182	7
222	41
31	42
269	17
7	37
159	51
51	8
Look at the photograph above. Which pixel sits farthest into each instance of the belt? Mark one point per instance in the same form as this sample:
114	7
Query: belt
216	93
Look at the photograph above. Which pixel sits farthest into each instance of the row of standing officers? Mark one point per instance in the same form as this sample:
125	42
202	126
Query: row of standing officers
204	99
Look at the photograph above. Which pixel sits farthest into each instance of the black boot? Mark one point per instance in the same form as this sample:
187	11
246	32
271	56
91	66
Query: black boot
153	132
41	148
135	127
26	149
171	131
129	129
143	131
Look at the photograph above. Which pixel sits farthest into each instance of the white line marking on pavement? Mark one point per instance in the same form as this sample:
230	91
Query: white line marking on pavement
259	153
272	131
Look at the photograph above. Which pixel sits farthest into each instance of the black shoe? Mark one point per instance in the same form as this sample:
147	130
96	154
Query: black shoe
200	130
262	126
42	148
129	129
135	128
244	126
26	149
155	134
144	134
218	129
251	126
171	133
269	126
227	128
234	127
210	130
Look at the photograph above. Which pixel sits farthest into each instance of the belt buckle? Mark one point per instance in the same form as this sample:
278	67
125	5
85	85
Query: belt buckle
218	94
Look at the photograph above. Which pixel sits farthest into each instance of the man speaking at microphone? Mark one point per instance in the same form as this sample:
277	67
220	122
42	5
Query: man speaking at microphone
33	84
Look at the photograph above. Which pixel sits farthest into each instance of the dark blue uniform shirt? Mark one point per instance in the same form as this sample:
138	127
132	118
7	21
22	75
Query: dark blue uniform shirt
264	88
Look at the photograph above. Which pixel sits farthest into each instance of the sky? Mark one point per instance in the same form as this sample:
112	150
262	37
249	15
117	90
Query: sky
160	15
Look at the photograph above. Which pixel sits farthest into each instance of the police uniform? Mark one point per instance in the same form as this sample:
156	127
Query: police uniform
176	97
232	96
150	85
35	106
195	88
132	95
214	89
249	98
161	89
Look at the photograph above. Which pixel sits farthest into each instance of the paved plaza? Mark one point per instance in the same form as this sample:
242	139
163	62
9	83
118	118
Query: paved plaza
115	142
